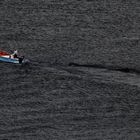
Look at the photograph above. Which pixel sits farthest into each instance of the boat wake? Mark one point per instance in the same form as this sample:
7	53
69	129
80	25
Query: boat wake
117	68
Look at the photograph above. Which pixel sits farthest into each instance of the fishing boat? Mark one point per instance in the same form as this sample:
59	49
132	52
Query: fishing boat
12	58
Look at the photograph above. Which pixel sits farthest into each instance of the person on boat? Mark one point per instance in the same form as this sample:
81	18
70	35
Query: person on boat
15	54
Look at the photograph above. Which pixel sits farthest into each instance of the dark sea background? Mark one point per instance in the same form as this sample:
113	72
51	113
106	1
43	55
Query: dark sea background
83	82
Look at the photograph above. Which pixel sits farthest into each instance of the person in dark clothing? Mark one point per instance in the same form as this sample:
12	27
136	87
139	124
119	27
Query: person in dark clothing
15	56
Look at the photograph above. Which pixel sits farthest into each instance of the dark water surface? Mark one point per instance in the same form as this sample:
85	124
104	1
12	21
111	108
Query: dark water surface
68	103
95	99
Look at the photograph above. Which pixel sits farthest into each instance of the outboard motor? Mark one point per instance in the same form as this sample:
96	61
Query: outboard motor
21	59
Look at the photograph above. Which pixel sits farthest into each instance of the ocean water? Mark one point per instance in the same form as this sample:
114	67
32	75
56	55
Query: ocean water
97	97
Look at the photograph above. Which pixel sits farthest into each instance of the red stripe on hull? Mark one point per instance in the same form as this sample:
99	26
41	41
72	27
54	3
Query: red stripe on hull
3	53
